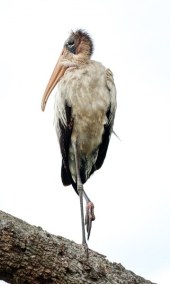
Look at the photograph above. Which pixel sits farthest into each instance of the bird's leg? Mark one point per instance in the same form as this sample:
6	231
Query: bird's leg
80	192
89	214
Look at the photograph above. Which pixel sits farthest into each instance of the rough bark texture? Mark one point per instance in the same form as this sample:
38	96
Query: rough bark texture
30	255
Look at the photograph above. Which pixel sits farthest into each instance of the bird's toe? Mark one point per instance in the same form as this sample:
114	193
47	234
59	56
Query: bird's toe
89	217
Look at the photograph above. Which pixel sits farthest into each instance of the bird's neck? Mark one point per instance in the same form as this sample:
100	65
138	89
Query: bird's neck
76	60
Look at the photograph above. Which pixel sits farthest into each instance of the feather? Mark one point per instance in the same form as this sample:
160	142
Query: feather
64	141
84	112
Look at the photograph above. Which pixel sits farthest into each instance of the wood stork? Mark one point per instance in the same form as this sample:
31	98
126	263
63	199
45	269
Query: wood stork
85	107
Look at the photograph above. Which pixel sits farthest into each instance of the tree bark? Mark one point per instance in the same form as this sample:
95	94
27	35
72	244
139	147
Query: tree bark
29	254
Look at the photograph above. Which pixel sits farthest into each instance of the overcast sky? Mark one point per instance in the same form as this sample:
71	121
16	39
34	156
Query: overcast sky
131	192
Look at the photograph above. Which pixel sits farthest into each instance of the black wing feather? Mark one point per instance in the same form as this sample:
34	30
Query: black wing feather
105	142
65	140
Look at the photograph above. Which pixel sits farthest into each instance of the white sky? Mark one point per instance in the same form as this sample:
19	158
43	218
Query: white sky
131	192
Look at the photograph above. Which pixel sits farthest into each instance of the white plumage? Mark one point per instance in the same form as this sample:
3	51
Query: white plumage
89	90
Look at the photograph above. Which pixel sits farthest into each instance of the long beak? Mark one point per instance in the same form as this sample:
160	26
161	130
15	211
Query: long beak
56	75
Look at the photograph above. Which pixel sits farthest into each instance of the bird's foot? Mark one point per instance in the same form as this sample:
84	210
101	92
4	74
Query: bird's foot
86	249
89	217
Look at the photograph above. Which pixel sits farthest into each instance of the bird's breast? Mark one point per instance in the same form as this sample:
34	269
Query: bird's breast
85	91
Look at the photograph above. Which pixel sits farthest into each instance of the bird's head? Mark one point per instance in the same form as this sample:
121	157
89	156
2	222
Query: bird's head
77	49
79	44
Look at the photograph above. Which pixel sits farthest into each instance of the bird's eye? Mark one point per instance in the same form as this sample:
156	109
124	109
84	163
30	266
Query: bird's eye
70	43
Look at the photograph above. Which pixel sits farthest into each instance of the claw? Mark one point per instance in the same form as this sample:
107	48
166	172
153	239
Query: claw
89	217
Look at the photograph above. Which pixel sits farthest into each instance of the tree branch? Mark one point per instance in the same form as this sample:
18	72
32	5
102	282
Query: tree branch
29	254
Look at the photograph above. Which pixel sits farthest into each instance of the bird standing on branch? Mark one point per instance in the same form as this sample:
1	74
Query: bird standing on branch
85	107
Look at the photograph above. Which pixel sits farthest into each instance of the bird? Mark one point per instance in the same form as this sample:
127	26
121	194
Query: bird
84	113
